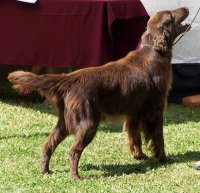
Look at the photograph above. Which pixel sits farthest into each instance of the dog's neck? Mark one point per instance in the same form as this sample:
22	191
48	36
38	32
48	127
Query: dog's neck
147	41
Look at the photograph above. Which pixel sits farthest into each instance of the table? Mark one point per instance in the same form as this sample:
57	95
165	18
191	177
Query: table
69	33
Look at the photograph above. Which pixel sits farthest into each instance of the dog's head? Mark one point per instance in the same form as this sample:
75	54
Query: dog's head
165	26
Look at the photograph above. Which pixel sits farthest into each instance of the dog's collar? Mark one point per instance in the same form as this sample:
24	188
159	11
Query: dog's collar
150	45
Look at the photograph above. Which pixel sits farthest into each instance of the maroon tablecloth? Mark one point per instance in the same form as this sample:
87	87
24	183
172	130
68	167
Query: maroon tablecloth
69	33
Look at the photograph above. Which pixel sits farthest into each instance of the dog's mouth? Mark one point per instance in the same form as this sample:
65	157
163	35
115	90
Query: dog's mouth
183	27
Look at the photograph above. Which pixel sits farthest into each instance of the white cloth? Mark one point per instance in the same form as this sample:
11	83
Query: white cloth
187	50
28	1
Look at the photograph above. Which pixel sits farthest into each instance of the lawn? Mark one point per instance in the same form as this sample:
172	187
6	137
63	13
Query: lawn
106	164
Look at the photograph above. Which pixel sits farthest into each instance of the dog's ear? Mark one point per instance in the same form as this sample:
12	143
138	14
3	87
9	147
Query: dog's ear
160	39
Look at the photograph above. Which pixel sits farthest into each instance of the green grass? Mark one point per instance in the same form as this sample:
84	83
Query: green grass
106	163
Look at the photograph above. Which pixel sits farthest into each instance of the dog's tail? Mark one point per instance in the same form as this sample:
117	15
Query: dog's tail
47	84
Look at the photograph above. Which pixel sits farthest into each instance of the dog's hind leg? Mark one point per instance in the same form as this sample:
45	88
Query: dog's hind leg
58	134
132	126
85	133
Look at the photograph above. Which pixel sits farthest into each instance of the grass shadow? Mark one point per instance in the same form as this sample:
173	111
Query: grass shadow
143	166
111	170
38	134
185	157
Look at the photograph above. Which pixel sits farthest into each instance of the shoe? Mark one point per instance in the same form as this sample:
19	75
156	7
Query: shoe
196	165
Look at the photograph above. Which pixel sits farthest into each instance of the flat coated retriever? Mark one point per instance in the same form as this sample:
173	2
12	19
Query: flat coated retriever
135	87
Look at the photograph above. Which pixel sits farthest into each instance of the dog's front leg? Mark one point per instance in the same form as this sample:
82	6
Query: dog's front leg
134	138
157	138
159	147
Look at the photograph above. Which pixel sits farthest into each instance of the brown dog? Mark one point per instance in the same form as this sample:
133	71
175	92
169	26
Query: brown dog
135	86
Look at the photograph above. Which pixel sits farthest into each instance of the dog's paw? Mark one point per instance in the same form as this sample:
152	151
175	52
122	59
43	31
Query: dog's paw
141	157
76	176
166	160
46	171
